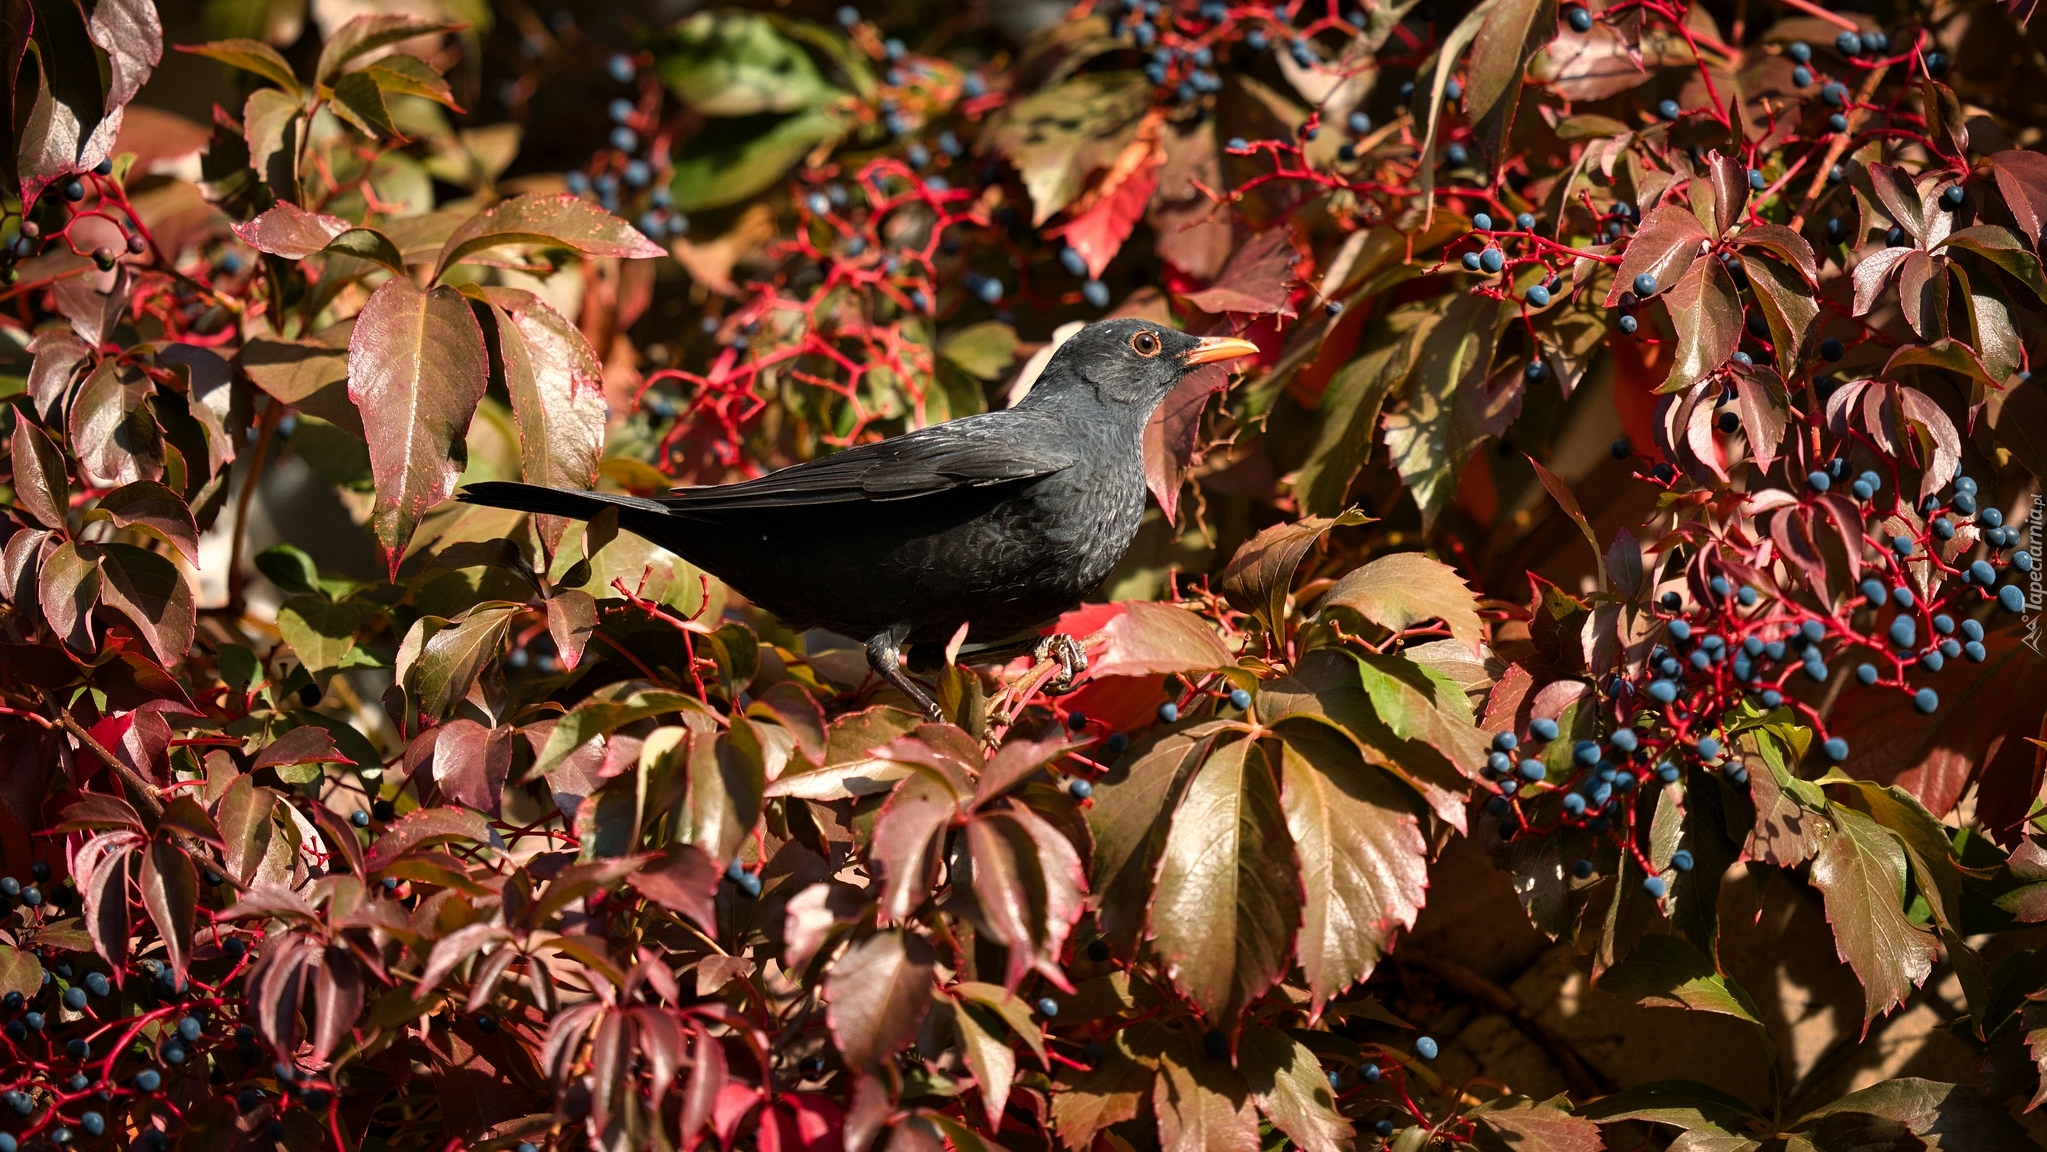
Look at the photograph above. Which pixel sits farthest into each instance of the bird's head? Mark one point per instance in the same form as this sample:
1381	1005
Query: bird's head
1130	363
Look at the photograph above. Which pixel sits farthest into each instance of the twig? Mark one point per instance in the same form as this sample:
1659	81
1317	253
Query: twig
146	794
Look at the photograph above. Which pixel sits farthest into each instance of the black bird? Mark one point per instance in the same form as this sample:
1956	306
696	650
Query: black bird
1000	520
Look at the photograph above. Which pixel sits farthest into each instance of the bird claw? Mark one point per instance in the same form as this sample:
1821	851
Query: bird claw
1065	651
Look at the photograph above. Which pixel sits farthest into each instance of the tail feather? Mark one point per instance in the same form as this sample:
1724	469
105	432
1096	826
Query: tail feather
552	501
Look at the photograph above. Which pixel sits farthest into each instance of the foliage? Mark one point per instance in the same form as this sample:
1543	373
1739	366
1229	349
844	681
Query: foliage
534	835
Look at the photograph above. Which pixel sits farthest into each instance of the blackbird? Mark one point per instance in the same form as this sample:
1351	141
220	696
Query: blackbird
1000	520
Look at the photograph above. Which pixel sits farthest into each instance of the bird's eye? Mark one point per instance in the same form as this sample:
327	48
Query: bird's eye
1146	344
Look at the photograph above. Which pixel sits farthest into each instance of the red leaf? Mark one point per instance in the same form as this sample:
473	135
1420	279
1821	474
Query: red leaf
1151	639
309	744
877	996
1169	436
170	891
1098	230
1257	280
426	826
290	231
337	1000
2022	179
1664	246
684	882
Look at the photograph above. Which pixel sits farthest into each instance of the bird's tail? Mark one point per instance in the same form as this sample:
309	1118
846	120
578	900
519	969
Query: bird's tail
552	501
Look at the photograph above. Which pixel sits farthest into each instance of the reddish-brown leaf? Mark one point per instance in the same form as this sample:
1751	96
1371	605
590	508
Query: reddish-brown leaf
150	591
684	881
106	905
537	218
306	744
571	621
423	827
170	891
337	1000
1260	575
1257	280
1729	179
287	230
1152	639
555	382
2022	179
155	509
877	995
41	487
416	370
113	435
472	763
1664	246
1706	311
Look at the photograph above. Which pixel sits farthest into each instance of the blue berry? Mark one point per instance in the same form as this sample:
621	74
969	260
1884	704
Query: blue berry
1926	700
1457	155
1667	772
1240	699
1981	572
1080	789
1533	770
1748	597
148	1080
1681	860
1505	741
1801	76
1799	51
1932	661
1492	260
1680	631
1426	1047
1525	222
1471	262
1578	18
1756	182
1169	712
1669	109
1902	545
1866	673
1817	481
1543	729
1662	691
1904	632
1048	1007
1773	698
1835	749
2022	560
2010	598
1574	804
1586	753
1116	743
74	998
1627	325
1952	196
1848	44
1481	223
1626	740
1537	296
1708	747
1975	651
1653	885
190	1029
1645	284
1582	869
1359	123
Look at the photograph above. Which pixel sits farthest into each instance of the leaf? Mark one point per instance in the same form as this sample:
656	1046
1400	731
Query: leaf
556	385
1665	245
727	779
877	995
1428	100
1058	135
739	64
472	763
1449	409
106	905
991	1060
250	56
412	76
307	744
683	881
732	160
1260	574
58	353
359	101
1788	306
1152	639
2005	249
1404	589
1873	273
1364	863
1787	246
425	827
1257	280
20	971
1542	1129
367	33
67	588
40	485
571	621
272	124
320	631
150	591
1132	804
289	231
1860	870
596	718
1229	889
561	221
2022	180
1028	884
1668	972
170	891
1948	1117
416	370
153	508
984	351
1418	707
1513	33
1345	422
1289	1086
1727	179
1706	312
450	659
1202	1105
1104	219
1111	1092
1765	413
112	433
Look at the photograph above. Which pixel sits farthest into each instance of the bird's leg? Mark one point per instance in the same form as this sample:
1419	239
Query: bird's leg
1070	656
885	656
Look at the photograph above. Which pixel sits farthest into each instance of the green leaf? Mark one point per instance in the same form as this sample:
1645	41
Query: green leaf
367	33
1685	1104
732	160
595	718
1706	311
984	351
359	101
272	123
1325	688
727	776
739	64
1860	871
1364	862
150	591
1289	1086
1404	589
320	631
416	370
1229	888
1420	708
561	221
1448	410
451	658
1345	421
411	76
250	56
1668	972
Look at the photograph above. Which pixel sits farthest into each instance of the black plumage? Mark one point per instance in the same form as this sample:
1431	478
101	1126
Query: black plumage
1000	520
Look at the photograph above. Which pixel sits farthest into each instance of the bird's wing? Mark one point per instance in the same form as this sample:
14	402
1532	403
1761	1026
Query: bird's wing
974	452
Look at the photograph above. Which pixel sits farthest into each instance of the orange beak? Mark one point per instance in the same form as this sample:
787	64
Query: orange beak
1215	348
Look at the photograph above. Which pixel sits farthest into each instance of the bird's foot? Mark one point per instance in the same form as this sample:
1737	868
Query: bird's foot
1065	651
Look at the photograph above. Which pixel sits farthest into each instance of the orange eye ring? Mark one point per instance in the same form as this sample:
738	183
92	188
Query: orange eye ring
1146	344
